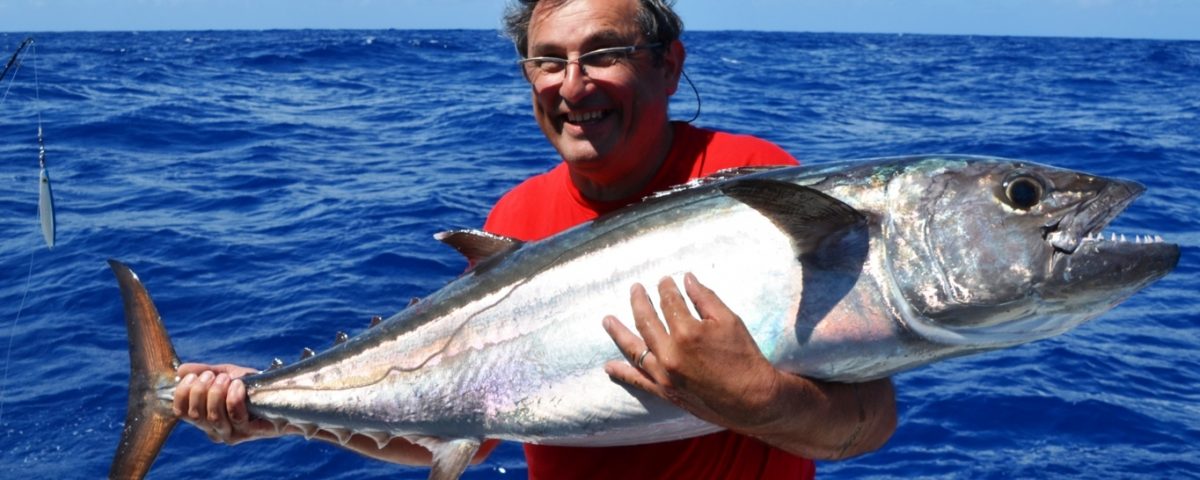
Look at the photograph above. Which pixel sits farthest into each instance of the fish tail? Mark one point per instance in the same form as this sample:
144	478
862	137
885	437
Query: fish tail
152	364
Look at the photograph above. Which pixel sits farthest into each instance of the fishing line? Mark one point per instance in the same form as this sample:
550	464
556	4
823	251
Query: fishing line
45	200
11	335
45	195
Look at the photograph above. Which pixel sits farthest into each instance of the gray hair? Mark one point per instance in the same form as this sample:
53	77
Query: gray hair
656	19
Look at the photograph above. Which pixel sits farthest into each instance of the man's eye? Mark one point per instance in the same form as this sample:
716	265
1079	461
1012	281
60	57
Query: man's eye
603	59
549	65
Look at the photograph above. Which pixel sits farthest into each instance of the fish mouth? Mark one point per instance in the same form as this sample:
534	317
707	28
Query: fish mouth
1088	263
1113	266
1087	221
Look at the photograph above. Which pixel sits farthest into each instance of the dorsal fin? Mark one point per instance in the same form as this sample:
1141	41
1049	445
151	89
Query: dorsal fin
477	245
807	215
728	173
718	176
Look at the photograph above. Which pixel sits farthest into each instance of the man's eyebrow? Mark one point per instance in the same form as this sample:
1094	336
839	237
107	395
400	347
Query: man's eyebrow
600	39
605	36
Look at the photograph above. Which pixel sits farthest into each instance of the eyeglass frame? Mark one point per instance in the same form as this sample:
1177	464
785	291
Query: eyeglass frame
627	50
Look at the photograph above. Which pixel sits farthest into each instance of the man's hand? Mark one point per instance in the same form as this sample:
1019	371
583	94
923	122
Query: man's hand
712	368
214	399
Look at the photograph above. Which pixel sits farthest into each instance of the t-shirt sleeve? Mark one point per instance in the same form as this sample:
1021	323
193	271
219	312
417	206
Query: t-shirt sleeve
503	218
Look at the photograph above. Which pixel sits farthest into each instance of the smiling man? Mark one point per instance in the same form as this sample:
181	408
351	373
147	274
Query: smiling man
602	73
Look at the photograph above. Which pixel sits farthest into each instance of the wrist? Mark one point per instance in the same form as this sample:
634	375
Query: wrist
771	405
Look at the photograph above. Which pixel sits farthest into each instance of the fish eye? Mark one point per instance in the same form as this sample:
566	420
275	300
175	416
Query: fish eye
1023	192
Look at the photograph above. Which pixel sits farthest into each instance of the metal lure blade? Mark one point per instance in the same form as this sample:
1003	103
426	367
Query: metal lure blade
46	207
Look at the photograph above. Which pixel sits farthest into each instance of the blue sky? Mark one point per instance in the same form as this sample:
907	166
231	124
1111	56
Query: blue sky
1166	19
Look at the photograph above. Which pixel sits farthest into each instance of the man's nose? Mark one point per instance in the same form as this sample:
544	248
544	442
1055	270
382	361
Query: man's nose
574	83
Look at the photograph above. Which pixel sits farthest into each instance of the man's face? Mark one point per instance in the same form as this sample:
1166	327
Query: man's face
600	121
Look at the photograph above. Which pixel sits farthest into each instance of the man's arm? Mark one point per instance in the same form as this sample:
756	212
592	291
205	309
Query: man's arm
712	368
213	398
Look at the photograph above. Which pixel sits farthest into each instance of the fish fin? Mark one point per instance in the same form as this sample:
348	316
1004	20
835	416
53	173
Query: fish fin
310	430
477	245
717	176
381	438
734	172
805	214
450	457
152	363
342	434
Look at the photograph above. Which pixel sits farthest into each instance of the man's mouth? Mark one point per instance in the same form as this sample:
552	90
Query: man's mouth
585	118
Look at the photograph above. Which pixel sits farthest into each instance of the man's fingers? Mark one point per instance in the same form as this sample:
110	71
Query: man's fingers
216	406
235	403
708	304
216	393
198	396
645	318
626	373
642	359
234	371
627	342
180	405
674	307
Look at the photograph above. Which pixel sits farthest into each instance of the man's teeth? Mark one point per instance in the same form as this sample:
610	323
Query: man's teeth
1113	237
584	117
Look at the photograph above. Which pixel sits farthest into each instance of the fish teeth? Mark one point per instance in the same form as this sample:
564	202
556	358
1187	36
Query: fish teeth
1115	237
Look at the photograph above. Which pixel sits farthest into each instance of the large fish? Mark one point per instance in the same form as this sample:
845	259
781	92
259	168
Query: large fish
845	272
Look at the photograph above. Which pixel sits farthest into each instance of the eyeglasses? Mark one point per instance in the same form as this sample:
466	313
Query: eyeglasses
539	69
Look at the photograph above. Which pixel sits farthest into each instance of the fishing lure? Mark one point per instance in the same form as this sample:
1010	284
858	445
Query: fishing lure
45	195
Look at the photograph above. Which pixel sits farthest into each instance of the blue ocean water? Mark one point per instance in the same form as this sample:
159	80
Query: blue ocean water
274	187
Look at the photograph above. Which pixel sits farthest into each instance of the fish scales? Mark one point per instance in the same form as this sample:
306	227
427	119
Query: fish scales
500	331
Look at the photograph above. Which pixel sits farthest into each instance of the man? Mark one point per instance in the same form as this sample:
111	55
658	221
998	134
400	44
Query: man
602	72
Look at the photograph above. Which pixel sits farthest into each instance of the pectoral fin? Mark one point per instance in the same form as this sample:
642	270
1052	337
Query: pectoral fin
811	218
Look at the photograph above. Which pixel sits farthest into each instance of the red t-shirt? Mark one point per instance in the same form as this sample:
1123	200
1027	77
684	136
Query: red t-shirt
549	203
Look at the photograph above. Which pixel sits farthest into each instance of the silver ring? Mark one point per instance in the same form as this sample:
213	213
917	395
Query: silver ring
642	358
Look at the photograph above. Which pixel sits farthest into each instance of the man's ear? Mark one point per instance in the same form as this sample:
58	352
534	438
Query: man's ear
673	65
